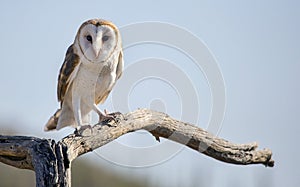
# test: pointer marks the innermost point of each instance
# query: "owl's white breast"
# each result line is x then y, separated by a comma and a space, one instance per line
85, 81
92, 81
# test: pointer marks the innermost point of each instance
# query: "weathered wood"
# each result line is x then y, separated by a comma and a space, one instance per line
52, 161
47, 158
161, 125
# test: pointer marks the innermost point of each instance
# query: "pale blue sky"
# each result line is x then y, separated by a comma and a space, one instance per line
256, 45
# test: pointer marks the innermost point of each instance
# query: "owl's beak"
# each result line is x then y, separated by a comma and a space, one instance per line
97, 45
96, 49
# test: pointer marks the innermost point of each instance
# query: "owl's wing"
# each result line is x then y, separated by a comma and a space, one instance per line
120, 65
67, 73
119, 71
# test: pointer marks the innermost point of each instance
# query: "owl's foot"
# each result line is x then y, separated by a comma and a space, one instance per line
80, 129
106, 117
113, 114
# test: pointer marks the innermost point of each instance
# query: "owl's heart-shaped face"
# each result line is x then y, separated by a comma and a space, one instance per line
97, 42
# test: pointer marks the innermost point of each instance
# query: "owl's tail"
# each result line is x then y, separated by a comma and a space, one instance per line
52, 122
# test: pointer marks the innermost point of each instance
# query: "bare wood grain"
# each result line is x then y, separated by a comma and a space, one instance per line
161, 125
51, 161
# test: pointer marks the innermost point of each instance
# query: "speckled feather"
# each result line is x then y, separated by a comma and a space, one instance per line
71, 61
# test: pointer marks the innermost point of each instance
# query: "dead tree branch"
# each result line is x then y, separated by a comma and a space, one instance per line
52, 161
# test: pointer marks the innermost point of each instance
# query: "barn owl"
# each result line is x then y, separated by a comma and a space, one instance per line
92, 65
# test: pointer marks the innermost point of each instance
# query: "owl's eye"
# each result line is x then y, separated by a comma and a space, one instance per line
89, 38
105, 38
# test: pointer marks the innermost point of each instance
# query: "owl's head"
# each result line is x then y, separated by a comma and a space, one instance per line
97, 40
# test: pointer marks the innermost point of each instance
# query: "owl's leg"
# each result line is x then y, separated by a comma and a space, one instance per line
102, 116
77, 111
78, 118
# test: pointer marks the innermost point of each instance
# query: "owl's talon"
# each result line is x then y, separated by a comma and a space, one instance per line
118, 116
80, 129
106, 118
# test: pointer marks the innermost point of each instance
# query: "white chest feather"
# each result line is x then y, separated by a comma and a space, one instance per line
91, 82
86, 79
